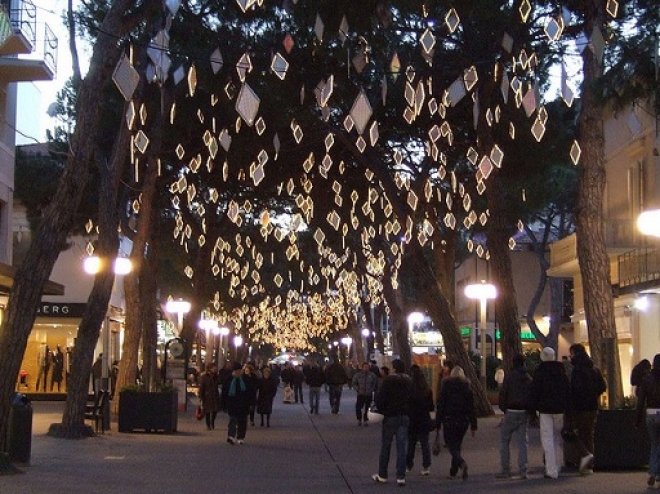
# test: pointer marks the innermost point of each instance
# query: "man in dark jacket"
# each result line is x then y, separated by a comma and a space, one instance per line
551, 398
393, 401
315, 379
364, 382
336, 377
587, 384
515, 402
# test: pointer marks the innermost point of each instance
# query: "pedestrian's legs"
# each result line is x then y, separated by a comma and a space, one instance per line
506, 429
232, 426
550, 425
242, 426
454, 431
209, 423
426, 450
366, 405
359, 404
653, 426
338, 390
401, 445
410, 455
520, 434
213, 417
390, 426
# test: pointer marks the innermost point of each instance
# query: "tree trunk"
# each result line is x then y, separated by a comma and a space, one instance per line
506, 308
134, 304
591, 246
399, 328
149, 291
73, 418
59, 217
442, 313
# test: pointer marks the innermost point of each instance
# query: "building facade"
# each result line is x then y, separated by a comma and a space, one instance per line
632, 164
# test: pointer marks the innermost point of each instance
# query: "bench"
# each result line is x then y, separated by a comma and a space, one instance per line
95, 412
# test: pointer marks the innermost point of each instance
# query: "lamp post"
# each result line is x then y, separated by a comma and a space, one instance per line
178, 307
365, 343
482, 292
238, 341
210, 326
224, 331
347, 340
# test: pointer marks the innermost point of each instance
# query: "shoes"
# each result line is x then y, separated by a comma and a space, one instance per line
408, 469
366, 423
586, 463
378, 479
519, 476
425, 472
359, 423
231, 440
451, 477
503, 476
240, 441
252, 424
464, 470
546, 476
400, 482
651, 482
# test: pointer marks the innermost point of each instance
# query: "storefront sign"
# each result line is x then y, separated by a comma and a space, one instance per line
53, 309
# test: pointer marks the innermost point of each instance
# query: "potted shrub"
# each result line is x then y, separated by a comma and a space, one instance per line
148, 411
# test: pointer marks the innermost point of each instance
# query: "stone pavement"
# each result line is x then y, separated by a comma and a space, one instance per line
323, 453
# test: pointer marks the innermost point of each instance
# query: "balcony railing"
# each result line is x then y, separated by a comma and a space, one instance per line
639, 266
23, 16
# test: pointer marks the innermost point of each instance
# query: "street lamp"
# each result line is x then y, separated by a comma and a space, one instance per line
482, 292
238, 341
178, 307
649, 222
413, 318
210, 326
365, 334
347, 340
224, 331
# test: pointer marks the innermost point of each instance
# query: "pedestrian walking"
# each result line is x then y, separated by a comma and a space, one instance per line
421, 424
209, 395
315, 380
252, 382
336, 377
587, 385
298, 378
454, 415
648, 411
267, 389
393, 401
364, 383
236, 401
550, 398
515, 401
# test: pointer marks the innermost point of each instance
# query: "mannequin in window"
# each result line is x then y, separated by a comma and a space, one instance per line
58, 369
44, 360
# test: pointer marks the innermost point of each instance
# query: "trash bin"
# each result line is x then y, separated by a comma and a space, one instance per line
20, 429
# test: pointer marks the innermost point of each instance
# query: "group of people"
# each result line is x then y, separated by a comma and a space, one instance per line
406, 402
566, 408
241, 391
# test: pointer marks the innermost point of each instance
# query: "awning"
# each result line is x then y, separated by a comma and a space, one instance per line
7, 274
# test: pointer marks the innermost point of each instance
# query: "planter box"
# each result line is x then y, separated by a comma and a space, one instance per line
618, 444
149, 412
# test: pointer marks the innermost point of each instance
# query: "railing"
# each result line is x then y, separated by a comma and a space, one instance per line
50, 49
23, 16
639, 266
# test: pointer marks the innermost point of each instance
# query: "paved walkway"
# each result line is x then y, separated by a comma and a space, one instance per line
323, 453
